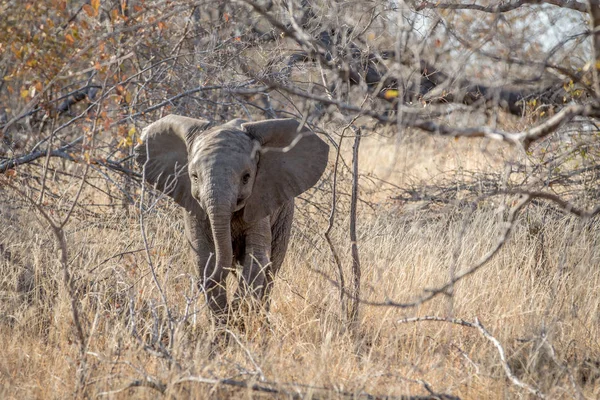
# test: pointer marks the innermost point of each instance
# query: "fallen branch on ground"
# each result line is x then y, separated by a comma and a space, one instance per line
296, 391
485, 333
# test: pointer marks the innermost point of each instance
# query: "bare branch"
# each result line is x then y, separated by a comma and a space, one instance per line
563, 204
432, 293
504, 7
524, 138
240, 89
148, 382
477, 324
150, 262
301, 391
509, 374
68, 281
331, 221
356, 272
34, 155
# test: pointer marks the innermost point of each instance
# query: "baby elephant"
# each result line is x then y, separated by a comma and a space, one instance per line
236, 183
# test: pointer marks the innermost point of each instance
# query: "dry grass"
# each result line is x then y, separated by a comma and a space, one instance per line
538, 296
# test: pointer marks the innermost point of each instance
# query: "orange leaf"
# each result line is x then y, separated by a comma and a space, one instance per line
18, 52
69, 38
88, 10
95, 5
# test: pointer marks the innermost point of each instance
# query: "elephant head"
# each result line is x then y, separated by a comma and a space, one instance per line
214, 171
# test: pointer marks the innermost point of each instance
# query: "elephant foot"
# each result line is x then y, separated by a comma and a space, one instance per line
238, 312
219, 343
248, 315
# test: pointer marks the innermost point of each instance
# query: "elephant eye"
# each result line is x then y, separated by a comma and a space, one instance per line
246, 178
195, 176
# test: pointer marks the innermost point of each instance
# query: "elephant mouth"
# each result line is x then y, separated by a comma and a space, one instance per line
239, 205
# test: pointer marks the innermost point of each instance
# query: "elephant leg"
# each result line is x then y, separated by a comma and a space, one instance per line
280, 231
202, 250
268, 288
256, 260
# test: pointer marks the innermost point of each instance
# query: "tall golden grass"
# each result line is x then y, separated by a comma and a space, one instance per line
538, 296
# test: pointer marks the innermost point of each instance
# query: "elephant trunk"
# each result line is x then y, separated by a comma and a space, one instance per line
220, 221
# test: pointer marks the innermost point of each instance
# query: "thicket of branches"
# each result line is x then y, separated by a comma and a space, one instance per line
77, 72
80, 79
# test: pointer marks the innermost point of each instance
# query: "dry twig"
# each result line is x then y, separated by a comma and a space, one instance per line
485, 333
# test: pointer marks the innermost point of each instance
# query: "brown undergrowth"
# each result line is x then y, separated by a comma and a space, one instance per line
538, 295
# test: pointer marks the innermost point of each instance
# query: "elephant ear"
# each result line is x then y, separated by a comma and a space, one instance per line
163, 154
291, 161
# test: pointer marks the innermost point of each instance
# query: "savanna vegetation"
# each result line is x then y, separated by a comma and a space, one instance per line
451, 249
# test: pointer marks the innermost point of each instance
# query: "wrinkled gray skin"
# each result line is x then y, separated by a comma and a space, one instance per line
236, 183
